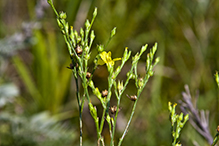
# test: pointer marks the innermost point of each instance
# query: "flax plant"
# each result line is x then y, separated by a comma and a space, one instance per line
177, 123
79, 46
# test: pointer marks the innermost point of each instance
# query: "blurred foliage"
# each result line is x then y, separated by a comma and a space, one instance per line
40, 129
187, 36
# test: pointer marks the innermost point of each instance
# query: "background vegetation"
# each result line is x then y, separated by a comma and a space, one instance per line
37, 91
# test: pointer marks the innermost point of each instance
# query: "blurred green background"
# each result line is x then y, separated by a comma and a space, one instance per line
37, 92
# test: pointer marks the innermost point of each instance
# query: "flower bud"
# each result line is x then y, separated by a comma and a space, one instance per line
100, 48
62, 15
120, 86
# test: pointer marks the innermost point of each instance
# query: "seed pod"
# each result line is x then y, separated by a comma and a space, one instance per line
104, 93
218, 128
71, 66
132, 97
113, 109
88, 75
78, 50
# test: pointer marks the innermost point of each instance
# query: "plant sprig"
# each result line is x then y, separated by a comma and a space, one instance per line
79, 46
177, 123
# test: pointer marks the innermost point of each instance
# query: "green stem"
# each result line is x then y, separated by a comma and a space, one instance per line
133, 110
51, 4
118, 104
80, 109
128, 124
107, 102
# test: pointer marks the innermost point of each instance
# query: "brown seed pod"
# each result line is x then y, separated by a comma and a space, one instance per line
104, 93
132, 97
88, 75
218, 128
78, 50
71, 66
113, 109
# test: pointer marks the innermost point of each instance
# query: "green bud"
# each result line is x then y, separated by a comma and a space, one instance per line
126, 54
181, 125
108, 118
93, 110
92, 36
87, 56
91, 84
151, 73
154, 49
82, 33
120, 86
86, 49
170, 107
100, 48
62, 15
186, 118
76, 34
143, 49
135, 58
177, 135
49, 2
181, 117
59, 24
72, 37
95, 12
113, 32
87, 24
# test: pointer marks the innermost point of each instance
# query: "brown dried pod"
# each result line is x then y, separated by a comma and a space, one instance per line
71, 66
78, 50
113, 109
132, 97
104, 93
218, 128
88, 75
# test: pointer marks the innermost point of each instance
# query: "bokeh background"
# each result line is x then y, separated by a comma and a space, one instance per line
37, 92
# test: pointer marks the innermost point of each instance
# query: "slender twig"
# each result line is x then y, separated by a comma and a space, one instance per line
80, 110
118, 104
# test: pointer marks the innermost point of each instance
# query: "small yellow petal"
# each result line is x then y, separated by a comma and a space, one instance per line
103, 56
100, 62
109, 54
117, 59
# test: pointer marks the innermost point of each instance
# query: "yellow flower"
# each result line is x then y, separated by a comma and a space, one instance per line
106, 58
